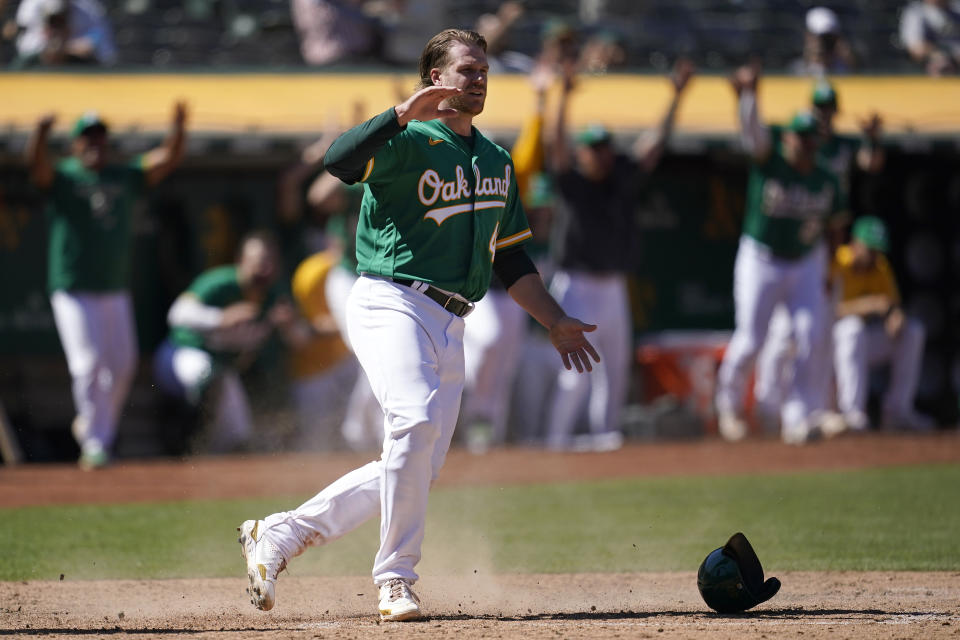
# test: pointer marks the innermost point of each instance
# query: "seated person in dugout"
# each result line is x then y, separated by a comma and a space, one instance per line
871, 329
218, 327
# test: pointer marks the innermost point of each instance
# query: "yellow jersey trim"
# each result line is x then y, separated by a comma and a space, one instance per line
514, 239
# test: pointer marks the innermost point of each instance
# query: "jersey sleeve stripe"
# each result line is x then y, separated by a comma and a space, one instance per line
368, 170
514, 239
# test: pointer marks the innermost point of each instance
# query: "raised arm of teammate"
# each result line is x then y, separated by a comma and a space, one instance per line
871, 156
38, 154
755, 135
561, 154
648, 150
160, 162
348, 155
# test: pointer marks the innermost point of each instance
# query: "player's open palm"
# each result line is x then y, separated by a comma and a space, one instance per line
425, 105
575, 350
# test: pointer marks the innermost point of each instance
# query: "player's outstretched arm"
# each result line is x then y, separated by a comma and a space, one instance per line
755, 135
160, 162
566, 333
38, 154
649, 149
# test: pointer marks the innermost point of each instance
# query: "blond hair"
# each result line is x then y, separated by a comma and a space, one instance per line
436, 52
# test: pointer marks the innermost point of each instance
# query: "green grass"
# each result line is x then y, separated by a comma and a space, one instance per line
887, 519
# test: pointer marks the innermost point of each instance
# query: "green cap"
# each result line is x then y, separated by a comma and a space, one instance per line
88, 120
824, 95
872, 232
539, 191
594, 134
803, 123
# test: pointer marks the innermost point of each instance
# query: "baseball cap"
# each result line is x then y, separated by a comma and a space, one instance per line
539, 191
824, 95
872, 232
594, 134
821, 21
89, 120
803, 123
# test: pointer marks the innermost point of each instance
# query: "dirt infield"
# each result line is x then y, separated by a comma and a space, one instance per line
821, 605
642, 605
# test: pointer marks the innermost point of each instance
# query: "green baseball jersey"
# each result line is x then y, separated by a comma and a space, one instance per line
217, 287
837, 153
786, 209
437, 207
90, 215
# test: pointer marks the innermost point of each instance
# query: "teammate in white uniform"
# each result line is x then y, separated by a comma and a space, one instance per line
839, 154
781, 259
598, 190
90, 209
440, 212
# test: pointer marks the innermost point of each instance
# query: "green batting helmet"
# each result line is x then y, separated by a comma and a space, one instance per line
730, 578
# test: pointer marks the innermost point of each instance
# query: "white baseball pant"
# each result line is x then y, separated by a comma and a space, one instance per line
412, 351
858, 345
760, 282
773, 374
492, 346
99, 340
192, 370
362, 427
598, 299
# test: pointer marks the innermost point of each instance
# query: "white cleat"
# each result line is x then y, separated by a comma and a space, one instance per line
264, 563
732, 427
398, 601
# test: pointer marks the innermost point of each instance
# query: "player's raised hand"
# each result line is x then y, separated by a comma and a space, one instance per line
425, 105
745, 78
180, 113
683, 70
46, 122
575, 350
872, 126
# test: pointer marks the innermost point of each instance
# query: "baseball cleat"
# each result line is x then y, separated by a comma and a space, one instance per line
398, 601
264, 563
732, 427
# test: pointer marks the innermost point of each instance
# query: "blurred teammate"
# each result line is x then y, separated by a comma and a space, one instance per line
871, 329
90, 203
841, 155
781, 259
598, 190
217, 328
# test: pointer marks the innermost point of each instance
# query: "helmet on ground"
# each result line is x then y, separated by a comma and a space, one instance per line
730, 578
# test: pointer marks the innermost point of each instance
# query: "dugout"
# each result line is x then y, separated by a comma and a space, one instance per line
245, 129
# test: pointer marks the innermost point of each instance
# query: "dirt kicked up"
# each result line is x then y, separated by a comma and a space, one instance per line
637, 605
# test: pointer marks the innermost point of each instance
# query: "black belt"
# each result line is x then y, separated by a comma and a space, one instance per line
450, 303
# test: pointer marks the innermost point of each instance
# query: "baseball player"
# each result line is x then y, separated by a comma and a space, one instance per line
781, 260
217, 327
839, 154
872, 328
440, 211
90, 203
598, 191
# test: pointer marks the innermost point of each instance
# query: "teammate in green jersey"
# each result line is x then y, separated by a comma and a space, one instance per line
440, 213
90, 203
781, 259
217, 328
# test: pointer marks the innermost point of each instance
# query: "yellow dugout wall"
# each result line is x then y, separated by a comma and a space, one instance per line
299, 102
